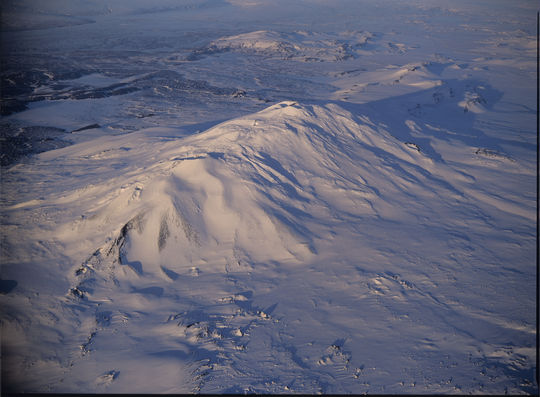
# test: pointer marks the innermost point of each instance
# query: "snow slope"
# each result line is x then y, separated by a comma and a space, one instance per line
277, 252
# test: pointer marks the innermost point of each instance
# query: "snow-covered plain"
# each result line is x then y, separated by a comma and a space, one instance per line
268, 196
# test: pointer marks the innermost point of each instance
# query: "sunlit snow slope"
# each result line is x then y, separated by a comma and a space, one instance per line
303, 248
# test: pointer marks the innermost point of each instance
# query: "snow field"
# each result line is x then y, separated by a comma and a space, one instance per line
258, 256
303, 197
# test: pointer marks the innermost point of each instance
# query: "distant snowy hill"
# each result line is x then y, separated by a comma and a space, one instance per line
301, 45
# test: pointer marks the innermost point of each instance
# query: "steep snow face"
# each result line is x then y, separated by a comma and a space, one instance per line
302, 248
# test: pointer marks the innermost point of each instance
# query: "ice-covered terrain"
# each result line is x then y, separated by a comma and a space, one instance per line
268, 197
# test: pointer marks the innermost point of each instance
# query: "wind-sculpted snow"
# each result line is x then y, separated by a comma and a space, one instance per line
277, 252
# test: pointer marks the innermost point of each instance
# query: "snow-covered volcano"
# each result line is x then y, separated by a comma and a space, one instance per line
268, 196
301, 248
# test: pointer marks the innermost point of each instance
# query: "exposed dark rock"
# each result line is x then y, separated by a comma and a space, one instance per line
88, 127
18, 142
6, 286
